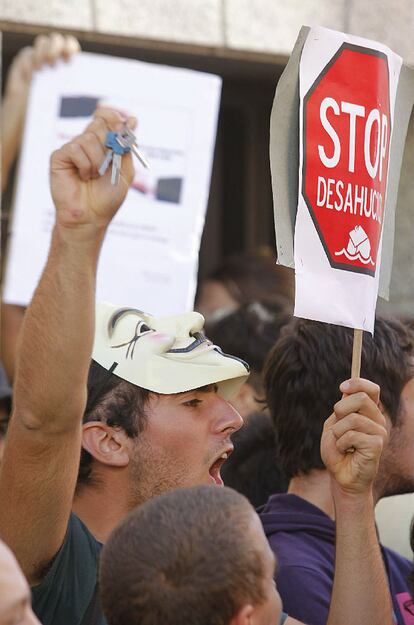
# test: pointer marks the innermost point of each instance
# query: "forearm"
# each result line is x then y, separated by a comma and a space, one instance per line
12, 122
360, 593
46, 50
57, 333
10, 323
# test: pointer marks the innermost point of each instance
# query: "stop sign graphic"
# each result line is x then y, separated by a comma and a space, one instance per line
346, 140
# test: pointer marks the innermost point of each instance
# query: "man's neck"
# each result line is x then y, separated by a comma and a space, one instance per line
100, 507
316, 489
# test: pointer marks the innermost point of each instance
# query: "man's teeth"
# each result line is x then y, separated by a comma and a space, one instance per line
224, 456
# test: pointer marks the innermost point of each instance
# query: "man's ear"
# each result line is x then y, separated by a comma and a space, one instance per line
105, 443
244, 616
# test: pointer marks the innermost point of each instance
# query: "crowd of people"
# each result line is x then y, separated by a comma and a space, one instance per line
119, 429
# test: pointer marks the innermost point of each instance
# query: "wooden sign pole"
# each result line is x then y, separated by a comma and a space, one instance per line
356, 363
356, 354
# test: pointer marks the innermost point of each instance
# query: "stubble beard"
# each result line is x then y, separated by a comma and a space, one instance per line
394, 484
152, 474
392, 479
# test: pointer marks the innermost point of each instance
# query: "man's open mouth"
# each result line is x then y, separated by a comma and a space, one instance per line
216, 467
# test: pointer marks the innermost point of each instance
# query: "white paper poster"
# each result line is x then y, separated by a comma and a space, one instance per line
150, 256
347, 91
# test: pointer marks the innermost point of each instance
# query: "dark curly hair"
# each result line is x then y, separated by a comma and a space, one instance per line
252, 468
303, 374
254, 276
116, 402
249, 333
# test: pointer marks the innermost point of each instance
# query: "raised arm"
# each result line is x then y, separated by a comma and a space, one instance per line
46, 49
11, 319
360, 592
40, 465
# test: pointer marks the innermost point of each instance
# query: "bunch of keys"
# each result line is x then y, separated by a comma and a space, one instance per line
118, 144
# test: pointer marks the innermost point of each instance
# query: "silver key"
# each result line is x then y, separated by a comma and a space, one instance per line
106, 162
127, 139
140, 157
116, 168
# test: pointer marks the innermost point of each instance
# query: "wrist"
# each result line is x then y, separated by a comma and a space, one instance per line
80, 237
17, 85
355, 516
352, 500
17, 100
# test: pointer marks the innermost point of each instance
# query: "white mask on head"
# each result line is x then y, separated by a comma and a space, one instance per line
163, 354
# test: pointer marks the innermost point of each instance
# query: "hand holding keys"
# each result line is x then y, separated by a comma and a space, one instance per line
118, 144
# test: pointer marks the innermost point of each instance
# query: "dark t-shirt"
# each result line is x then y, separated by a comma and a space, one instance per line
68, 592
68, 589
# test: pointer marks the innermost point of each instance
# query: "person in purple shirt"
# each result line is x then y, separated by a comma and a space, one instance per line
302, 380
219, 567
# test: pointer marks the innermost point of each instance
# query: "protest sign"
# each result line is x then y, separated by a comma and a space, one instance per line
344, 172
150, 255
340, 118
347, 93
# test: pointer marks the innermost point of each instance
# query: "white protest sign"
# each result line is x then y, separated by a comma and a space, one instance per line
284, 160
347, 88
150, 255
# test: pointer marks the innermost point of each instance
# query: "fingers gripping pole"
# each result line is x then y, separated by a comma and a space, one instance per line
356, 354
356, 363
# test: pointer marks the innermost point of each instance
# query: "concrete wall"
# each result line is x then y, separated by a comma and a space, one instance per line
394, 516
246, 28
402, 280
268, 26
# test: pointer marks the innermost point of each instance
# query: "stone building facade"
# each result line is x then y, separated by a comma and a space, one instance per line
243, 39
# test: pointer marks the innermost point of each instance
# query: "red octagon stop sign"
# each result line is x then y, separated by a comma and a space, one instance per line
346, 139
